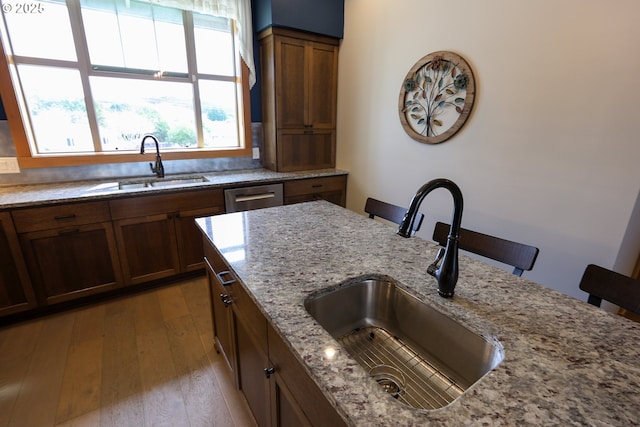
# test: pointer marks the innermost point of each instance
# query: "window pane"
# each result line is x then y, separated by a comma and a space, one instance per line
219, 114
214, 45
103, 35
134, 35
58, 114
129, 108
40, 29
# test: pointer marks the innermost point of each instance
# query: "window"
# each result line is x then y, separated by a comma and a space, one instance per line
103, 73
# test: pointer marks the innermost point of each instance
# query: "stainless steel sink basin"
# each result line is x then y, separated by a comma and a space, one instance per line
133, 185
178, 181
429, 359
160, 182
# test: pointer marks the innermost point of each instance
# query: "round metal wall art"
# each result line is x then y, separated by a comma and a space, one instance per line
436, 97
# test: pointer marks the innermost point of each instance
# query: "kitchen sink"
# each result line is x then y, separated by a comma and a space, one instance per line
160, 182
133, 185
174, 182
422, 357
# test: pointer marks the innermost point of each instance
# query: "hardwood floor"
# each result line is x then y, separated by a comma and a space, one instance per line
144, 360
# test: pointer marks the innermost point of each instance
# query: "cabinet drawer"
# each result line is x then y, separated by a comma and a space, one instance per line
51, 217
314, 185
165, 203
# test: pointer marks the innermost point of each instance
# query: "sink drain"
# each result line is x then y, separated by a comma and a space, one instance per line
390, 378
419, 384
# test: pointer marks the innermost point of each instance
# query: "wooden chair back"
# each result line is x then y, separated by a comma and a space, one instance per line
393, 213
604, 284
522, 257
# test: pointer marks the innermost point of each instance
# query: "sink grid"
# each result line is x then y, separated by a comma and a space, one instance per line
426, 387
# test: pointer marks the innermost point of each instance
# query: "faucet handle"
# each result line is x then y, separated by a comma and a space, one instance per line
435, 264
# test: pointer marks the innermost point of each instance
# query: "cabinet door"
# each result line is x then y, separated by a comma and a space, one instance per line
306, 149
221, 310
290, 83
306, 85
67, 263
285, 411
189, 237
322, 85
252, 354
147, 248
309, 402
16, 293
252, 362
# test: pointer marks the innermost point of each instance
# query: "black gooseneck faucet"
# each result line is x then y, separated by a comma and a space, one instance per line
445, 272
158, 169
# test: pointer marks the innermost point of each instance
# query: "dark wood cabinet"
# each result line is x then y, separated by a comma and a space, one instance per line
157, 236
253, 360
70, 250
16, 293
59, 252
299, 99
332, 189
307, 149
298, 399
277, 388
222, 314
147, 247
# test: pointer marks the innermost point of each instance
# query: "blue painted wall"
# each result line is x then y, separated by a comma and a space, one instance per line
324, 17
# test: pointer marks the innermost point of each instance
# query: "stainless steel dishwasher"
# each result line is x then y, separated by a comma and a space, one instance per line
256, 197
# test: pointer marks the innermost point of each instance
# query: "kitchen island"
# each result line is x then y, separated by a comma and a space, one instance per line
565, 361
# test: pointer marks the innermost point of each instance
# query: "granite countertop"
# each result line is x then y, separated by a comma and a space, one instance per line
39, 194
565, 362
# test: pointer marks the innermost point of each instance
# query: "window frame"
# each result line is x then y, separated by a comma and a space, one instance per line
27, 159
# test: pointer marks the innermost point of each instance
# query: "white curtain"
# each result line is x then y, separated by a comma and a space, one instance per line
238, 10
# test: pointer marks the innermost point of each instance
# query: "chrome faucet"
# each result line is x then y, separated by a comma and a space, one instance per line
445, 267
158, 169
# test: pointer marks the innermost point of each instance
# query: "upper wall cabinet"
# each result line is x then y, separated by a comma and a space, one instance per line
299, 97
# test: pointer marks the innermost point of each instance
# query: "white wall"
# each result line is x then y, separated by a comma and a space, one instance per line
550, 153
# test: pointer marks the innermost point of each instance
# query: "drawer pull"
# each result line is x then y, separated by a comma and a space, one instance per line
268, 372
316, 186
223, 282
64, 217
66, 232
225, 300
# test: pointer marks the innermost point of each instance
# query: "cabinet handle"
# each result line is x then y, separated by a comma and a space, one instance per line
225, 300
64, 217
226, 282
269, 371
73, 231
316, 186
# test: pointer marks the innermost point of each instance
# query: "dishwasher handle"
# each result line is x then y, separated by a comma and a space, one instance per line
249, 197
255, 197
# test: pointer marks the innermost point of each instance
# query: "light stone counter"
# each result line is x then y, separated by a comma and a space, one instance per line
81, 191
566, 362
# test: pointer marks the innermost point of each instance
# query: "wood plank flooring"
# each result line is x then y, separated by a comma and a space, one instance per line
143, 360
